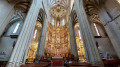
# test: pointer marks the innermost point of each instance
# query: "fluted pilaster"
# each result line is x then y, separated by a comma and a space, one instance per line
25, 36
73, 44
92, 53
42, 40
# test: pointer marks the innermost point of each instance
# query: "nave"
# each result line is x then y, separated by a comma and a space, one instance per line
60, 33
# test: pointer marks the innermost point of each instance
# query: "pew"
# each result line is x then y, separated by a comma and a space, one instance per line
111, 63
3, 63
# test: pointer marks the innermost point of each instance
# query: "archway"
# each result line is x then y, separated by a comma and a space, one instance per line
34, 43
79, 43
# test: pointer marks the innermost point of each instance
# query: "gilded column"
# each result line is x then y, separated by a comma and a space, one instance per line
42, 40
73, 44
25, 36
92, 53
6, 13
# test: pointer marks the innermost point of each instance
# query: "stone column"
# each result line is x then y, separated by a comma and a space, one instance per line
73, 45
25, 36
107, 23
6, 13
92, 53
42, 40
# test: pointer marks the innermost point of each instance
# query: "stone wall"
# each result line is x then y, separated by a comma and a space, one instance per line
105, 47
6, 47
113, 10
6, 41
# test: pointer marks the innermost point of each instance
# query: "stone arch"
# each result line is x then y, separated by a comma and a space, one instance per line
18, 16
96, 8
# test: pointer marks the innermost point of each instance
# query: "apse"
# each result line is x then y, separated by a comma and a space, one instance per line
57, 40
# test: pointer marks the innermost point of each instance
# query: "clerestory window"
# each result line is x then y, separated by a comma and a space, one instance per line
16, 28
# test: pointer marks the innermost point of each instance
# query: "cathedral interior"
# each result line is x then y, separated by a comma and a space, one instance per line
59, 33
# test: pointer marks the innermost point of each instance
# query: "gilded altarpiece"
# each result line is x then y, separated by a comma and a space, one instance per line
57, 42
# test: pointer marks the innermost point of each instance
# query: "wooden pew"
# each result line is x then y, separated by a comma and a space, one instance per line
111, 63
3, 63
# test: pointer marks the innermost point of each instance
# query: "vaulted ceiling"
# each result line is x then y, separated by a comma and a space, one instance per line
92, 6
58, 11
64, 3
24, 5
